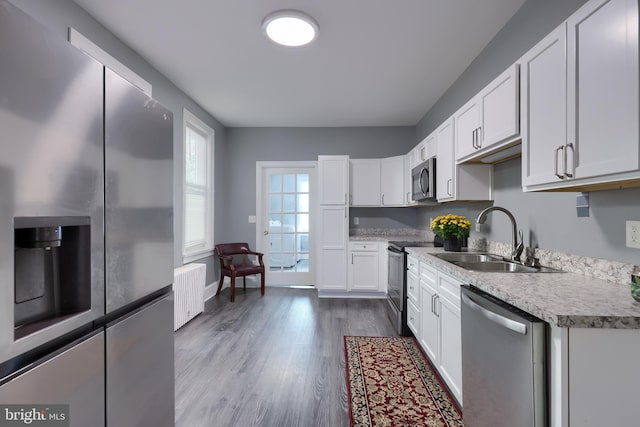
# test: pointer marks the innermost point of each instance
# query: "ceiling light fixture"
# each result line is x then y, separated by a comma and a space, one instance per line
290, 28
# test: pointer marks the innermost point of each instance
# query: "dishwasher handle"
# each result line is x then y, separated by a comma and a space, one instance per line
510, 324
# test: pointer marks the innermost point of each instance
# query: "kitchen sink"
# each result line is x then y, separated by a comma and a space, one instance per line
468, 257
498, 267
490, 263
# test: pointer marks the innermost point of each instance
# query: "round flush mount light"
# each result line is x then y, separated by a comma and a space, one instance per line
290, 28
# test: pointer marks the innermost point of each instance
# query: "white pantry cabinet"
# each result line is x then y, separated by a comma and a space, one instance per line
333, 175
458, 182
491, 119
364, 182
333, 223
332, 254
596, 146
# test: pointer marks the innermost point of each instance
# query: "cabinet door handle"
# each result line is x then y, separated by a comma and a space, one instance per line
351, 259
382, 199
432, 303
449, 181
479, 137
566, 168
473, 139
435, 305
558, 174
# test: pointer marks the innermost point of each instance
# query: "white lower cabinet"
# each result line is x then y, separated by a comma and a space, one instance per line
593, 377
439, 333
364, 266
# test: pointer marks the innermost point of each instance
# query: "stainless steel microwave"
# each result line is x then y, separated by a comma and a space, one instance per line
423, 181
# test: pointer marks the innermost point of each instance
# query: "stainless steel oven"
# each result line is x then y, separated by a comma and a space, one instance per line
397, 284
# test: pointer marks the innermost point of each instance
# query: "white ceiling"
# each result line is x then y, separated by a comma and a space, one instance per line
375, 62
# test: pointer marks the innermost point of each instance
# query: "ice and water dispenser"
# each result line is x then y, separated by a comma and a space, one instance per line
52, 258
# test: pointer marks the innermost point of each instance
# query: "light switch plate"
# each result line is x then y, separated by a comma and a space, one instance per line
633, 234
252, 219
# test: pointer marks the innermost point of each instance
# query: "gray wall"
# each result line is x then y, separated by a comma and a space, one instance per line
248, 145
59, 15
549, 220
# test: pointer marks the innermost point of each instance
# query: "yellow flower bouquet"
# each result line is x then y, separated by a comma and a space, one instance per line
451, 226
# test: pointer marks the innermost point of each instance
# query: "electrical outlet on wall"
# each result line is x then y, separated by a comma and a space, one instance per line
356, 220
633, 234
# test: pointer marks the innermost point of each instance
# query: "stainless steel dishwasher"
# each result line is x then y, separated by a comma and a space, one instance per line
504, 367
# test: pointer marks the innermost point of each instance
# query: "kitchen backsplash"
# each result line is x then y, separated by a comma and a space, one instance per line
413, 232
611, 271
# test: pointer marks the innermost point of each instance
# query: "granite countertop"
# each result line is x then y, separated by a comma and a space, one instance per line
567, 300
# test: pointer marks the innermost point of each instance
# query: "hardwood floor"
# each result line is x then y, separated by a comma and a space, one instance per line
271, 361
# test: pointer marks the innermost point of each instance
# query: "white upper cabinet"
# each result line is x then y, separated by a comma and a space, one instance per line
580, 132
491, 120
543, 107
392, 181
408, 200
425, 149
603, 88
458, 182
333, 173
364, 182
445, 186
467, 121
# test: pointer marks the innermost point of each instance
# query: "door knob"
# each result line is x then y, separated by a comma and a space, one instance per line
265, 232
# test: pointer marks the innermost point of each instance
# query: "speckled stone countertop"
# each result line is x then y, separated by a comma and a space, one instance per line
563, 299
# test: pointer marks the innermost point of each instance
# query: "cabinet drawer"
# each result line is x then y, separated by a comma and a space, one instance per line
364, 246
413, 318
413, 265
428, 274
449, 288
413, 288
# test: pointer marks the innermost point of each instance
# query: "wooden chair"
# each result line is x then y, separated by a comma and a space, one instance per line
235, 262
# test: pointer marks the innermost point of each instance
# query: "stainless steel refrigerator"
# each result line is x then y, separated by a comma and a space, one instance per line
86, 235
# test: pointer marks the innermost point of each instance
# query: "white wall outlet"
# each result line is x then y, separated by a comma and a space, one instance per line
252, 219
633, 234
356, 220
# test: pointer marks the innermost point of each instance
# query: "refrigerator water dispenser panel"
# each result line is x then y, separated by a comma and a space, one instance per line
52, 265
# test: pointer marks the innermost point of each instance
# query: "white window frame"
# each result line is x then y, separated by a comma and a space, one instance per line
205, 247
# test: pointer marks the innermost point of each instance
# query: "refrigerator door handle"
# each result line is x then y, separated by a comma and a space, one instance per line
517, 327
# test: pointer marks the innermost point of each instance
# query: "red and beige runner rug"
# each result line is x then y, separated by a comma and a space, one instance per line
390, 383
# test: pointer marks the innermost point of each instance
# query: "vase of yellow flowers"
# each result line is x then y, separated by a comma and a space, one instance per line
453, 229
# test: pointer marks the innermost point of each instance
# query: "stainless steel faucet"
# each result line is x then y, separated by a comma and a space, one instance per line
517, 247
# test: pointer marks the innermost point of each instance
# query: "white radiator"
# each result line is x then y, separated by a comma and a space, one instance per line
188, 287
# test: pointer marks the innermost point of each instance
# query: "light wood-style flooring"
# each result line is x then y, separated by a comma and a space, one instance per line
271, 361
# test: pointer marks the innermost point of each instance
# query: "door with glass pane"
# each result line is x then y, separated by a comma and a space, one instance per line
286, 221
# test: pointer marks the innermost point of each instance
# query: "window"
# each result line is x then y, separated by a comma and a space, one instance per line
198, 188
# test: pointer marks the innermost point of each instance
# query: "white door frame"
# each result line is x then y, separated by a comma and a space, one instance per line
262, 220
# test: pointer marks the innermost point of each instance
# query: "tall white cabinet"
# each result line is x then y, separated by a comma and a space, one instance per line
579, 104
333, 223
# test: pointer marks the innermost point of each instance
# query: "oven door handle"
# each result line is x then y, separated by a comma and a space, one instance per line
394, 250
517, 327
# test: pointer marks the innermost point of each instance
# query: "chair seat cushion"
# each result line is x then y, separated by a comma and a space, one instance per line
244, 269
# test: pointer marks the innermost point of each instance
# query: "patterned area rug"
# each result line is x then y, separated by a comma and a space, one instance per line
391, 384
